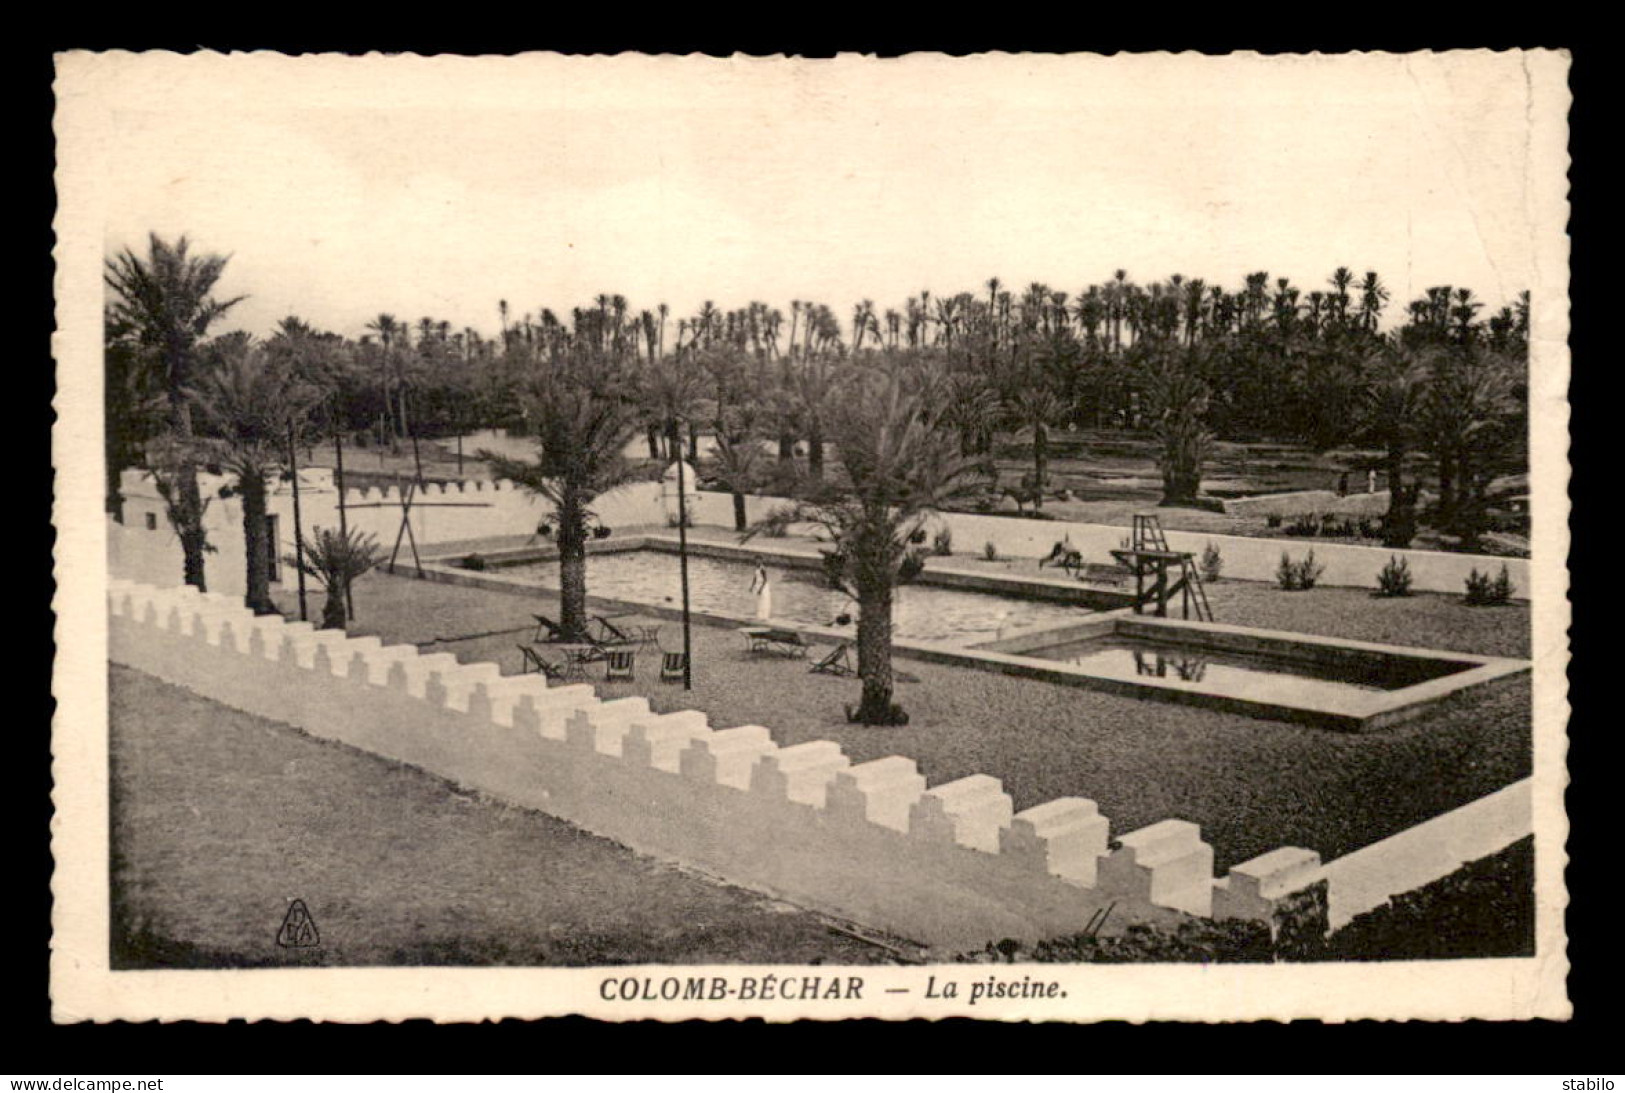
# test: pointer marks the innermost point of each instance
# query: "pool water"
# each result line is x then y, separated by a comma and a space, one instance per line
722, 587
1131, 658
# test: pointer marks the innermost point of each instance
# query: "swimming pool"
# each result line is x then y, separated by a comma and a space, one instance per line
721, 586
1280, 677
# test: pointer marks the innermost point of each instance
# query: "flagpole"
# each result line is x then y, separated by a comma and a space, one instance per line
682, 563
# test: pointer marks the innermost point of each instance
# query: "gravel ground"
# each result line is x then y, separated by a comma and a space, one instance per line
1253, 785
220, 818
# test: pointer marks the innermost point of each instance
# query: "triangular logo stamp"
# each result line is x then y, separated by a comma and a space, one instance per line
298, 928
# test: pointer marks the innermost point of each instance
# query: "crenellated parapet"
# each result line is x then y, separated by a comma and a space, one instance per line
951, 865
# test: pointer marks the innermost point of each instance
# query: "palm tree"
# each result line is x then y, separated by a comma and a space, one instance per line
1032, 403
166, 299
1178, 399
387, 329
1391, 407
335, 560
249, 404
898, 470
581, 414
1468, 407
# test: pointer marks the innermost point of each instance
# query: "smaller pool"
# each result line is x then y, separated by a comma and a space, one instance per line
1346, 685
1118, 656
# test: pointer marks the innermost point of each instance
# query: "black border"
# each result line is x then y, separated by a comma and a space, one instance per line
953, 1045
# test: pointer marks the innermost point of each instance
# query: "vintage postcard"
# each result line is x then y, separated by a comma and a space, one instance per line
1021, 537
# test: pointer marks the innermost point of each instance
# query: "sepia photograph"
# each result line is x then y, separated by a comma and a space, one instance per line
1018, 537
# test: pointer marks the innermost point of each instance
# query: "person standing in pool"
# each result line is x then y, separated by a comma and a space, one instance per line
764, 593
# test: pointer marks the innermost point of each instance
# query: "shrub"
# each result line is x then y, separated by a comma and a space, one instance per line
544, 529
989, 551
1305, 525
1502, 589
1486, 591
1394, 578
942, 544
1212, 563
1299, 576
912, 565
1272, 520
600, 532
475, 562
776, 524
917, 536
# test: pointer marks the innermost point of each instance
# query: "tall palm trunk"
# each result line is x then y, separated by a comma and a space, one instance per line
875, 652
572, 564
1040, 463
258, 596
654, 443
740, 523
787, 447
405, 425
815, 452
187, 506
1399, 525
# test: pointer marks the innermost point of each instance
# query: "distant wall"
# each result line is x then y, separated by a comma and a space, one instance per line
1248, 559
475, 510
951, 865
439, 514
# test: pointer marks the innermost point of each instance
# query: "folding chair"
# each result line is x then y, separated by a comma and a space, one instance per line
837, 663
672, 666
609, 633
534, 662
649, 637
618, 665
547, 630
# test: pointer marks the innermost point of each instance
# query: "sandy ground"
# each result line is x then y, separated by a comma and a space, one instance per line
220, 818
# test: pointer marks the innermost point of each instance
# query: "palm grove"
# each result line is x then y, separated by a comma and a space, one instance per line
912, 403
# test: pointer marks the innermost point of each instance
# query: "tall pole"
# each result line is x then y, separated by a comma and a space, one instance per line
682, 563
298, 528
344, 527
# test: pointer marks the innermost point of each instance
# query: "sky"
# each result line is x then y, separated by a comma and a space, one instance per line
346, 187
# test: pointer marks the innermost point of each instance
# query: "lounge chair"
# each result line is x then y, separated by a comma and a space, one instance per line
535, 662
837, 663
547, 630
619, 665
649, 637
610, 634
672, 667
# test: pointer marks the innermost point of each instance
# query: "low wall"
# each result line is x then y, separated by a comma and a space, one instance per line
477, 510
439, 514
1244, 558
951, 866
1308, 502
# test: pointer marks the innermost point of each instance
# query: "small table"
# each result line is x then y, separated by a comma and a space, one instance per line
576, 659
766, 639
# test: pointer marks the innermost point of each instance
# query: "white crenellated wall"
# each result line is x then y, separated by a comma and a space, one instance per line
951, 866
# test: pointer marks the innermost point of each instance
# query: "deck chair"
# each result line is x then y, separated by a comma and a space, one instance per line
672, 666
547, 630
610, 634
837, 663
618, 665
534, 662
